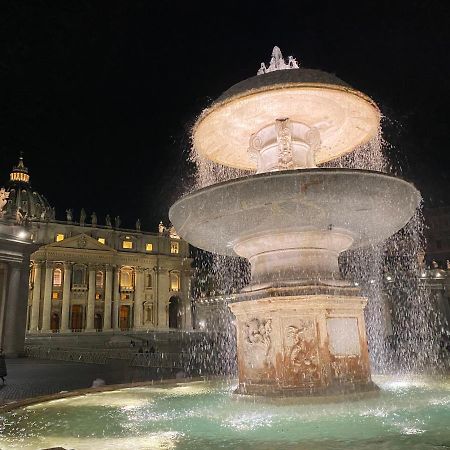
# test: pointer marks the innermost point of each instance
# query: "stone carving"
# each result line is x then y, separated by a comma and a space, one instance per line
301, 352
94, 219
161, 228
69, 215
277, 62
172, 232
82, 216
21, 216
258, 331
138, 225
284, 137
82, 242
117, 221
4, 195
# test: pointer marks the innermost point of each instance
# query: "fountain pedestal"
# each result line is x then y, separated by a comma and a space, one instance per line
305, 340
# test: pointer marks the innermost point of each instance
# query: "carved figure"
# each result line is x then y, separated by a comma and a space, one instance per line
94, 219
69, 215
108, 221
259, 331
262, 69
138, 225
161, 228
117, 221
300, 357
82, 216
52, 213
292, 62
21, 217
173, 233
3, 199
277, 62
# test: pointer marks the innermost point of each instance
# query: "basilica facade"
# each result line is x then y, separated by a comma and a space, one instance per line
90, 278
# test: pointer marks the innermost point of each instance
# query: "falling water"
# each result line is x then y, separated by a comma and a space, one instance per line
403, 325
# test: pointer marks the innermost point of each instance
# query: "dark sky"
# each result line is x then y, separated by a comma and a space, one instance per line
100, 95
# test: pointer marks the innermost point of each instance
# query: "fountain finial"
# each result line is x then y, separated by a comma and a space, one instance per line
277, 62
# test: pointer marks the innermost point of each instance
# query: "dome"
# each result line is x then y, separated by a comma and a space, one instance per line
19, 201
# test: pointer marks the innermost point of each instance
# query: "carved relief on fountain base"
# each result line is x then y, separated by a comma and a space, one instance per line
304, 345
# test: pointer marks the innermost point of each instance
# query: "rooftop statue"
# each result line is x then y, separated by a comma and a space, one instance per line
108, 221
82, 216
94, 219
69, 215
4, 195
138, 225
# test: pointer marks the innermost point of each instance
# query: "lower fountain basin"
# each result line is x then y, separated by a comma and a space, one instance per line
408, 413
363, 207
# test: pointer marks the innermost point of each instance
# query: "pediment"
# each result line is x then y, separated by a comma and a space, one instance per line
80, 241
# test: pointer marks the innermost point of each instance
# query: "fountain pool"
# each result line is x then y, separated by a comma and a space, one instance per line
409, 412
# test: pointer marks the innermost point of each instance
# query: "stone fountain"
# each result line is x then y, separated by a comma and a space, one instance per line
300, 325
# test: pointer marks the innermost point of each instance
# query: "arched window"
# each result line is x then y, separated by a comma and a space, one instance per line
126, 277
78, 275
148, 280
57, 277
99, 279
174, 281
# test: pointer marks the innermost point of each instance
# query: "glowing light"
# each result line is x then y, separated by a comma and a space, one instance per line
22, 234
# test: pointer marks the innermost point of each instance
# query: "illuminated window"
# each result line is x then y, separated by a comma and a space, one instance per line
57, 277
59, 237
98, 296
174, 247
99, 279
127, 244
55, 295
102, 240
125, 296
174, 281
149, 247
126, 277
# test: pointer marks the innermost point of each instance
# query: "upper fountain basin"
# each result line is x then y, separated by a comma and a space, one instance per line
368, 206
343, 117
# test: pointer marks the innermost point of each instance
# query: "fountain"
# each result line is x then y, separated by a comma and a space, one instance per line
300, 325
301, 339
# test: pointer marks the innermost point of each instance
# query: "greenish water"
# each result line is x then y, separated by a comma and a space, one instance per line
410, 413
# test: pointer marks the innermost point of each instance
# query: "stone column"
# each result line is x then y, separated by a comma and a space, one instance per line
108, 299
12, 300
91, 300
66, 297
116, 305
163, 297
186, 289
47, 307
138, 297
35, 305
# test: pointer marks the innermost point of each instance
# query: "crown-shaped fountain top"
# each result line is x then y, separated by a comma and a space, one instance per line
277, 62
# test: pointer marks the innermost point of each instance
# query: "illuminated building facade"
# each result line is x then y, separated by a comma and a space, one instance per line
92, 278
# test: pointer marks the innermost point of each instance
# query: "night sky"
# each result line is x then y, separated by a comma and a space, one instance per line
101, 95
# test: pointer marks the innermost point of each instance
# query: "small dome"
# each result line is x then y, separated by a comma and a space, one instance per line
21, 201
